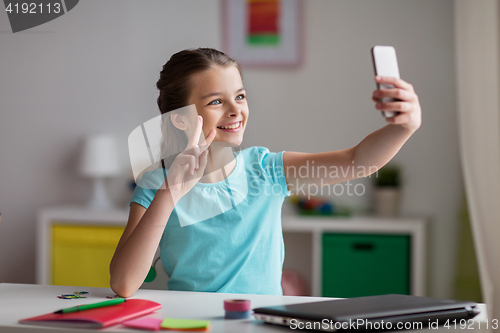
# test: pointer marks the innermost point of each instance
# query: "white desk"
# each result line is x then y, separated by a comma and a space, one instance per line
18, 301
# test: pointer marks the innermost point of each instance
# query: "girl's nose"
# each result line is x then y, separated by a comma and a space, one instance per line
234, 109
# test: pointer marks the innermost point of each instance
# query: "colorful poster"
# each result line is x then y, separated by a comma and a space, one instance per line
263, 22
264, 33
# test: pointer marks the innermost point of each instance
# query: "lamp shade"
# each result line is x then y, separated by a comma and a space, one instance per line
100, 156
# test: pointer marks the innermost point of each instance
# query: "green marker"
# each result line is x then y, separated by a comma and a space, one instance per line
92, 306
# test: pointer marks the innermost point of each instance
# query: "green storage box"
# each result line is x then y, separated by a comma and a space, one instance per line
365, 265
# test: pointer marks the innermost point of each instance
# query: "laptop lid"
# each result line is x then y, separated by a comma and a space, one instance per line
365, 311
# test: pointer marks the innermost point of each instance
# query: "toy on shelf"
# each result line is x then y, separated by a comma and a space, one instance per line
318, 206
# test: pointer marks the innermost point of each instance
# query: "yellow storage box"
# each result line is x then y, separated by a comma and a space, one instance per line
81, 254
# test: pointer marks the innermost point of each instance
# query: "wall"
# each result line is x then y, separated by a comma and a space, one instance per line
94, 69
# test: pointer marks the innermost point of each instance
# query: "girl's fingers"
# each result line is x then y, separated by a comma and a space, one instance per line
195, 138
402, 99
186, 163
203, 160
393, 106
401, 94
192, 147
208, 140
398, 83
192, 165
196, 154
210, 137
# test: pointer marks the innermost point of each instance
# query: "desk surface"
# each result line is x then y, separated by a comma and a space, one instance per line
18, 301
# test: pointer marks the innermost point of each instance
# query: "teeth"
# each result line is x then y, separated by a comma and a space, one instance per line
230, 126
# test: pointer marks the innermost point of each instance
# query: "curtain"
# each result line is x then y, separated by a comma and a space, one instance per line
477, 42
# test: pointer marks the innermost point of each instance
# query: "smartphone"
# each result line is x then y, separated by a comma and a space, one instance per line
385, 63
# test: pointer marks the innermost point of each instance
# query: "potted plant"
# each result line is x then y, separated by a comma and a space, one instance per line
387, 191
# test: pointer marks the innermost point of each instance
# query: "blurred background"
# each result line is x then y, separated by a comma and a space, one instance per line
94, 70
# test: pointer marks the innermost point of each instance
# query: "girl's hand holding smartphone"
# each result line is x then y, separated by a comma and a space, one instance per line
407, 104
395, 97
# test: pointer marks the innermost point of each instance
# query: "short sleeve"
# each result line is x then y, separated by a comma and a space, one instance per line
147, 186
272, 163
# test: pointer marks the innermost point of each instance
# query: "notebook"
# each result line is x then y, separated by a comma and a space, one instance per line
371, 313
96, 318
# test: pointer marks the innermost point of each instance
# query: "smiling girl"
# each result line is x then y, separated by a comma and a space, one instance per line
216, 216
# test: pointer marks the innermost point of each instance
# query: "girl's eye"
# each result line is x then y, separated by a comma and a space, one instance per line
240, 97
215, 102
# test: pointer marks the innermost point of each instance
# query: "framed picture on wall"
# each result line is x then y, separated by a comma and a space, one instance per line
263, 33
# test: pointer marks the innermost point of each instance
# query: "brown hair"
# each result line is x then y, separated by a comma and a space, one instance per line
175, 88
174, 82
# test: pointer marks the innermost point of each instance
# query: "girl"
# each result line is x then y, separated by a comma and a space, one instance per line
216, 215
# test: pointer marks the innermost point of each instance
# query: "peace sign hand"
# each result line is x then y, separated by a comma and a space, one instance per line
188, 167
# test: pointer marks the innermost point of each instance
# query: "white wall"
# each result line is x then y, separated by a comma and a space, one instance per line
95, 68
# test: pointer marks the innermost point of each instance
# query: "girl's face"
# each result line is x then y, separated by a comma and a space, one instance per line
220, 99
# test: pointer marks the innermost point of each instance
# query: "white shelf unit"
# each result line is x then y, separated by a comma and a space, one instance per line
316, 226
308, 254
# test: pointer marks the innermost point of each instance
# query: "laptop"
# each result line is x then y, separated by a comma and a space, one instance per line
371, 313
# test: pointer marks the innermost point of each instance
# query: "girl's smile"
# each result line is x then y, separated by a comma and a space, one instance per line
233, 127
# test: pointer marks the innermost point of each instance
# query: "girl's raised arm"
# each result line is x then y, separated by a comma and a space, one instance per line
137, 246
371, 153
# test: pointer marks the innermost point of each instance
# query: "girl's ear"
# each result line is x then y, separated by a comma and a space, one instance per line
178, 121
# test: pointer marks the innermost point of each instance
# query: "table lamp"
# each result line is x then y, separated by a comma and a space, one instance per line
99, 160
